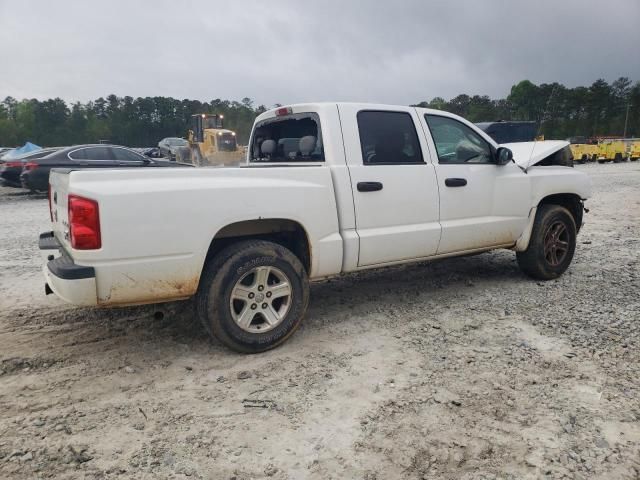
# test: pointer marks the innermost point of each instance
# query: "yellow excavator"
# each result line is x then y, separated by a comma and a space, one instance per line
212, 144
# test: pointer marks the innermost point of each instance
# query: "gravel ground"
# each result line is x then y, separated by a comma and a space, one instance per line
459, 369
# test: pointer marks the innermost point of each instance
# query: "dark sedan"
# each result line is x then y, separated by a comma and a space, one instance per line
35, 174
11, 169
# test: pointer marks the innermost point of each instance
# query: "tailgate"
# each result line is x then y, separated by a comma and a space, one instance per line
58, 191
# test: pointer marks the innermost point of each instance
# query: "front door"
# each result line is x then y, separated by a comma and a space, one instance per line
482, 204
393, 183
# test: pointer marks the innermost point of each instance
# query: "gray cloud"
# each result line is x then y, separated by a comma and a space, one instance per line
291, 51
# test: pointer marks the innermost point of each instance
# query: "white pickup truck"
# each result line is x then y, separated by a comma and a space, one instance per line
327, 188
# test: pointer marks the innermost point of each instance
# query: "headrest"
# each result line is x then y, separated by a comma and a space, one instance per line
465, 150
268, 147
307, 144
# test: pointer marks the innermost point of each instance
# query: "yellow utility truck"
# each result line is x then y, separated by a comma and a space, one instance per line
634, 149
584, 152
212, 144
612, 150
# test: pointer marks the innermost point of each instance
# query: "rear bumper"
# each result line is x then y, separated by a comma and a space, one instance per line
34, 182
11, 179
71, 282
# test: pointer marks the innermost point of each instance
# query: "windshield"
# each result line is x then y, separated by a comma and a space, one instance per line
177, 142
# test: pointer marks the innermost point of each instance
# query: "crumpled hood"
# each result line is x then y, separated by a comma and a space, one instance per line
527, 154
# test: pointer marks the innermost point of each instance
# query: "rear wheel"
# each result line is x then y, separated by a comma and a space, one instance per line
253, 296
552, 244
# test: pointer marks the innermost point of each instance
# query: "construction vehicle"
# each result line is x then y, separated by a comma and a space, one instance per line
610, 150
210, 143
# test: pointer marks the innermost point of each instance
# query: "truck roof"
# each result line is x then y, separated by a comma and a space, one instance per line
312, 106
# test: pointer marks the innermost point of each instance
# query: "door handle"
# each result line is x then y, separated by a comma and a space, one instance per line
369, 186
455, 182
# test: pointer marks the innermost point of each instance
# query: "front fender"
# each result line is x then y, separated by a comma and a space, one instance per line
554, 180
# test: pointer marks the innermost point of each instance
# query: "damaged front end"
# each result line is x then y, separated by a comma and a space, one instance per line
562, 157
544, 153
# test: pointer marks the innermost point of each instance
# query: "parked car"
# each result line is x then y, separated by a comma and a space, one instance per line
10, 170
510, 131
327, 189
35, 174
172, 147
4, 150
151, 152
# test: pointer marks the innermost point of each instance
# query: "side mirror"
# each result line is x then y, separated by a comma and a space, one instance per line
504, 156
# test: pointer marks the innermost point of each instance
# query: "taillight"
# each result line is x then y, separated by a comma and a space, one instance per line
84, 223
50, 207
13, 164
30, 166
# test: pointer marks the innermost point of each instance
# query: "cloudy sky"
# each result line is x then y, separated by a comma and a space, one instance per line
290, 51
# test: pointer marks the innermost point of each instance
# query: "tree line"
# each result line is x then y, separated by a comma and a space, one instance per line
598, 110
135, 122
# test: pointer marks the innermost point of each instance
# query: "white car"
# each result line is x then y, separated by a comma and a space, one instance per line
327, 189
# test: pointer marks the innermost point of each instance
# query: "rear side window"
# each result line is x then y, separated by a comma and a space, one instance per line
124, 155
293, 138
388, 138
92, 153
78, 154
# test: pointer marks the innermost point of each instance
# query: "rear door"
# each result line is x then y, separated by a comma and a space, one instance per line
393, 183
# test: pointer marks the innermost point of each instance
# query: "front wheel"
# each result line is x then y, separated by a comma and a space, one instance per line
552, 244
253, 295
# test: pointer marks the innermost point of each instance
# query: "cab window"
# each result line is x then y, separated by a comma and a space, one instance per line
291, 138
457, 143
388, 138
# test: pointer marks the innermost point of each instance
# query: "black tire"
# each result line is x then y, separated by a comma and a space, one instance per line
545, 263
223, 273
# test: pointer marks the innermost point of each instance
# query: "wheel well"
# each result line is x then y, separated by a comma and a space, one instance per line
570, 201
288, 233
